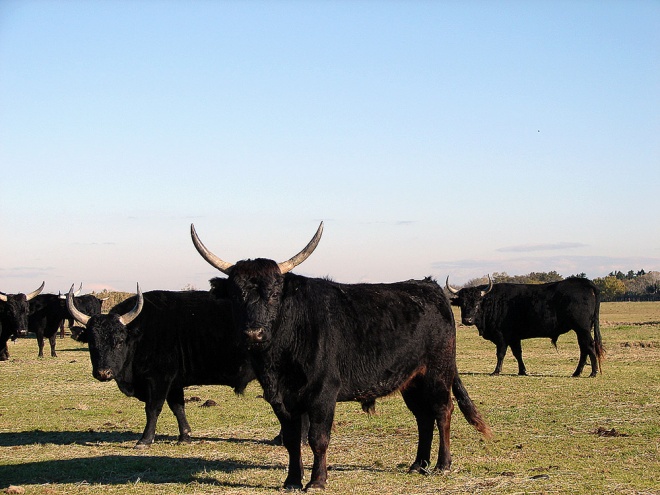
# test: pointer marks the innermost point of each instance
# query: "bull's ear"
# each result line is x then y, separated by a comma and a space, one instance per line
219, 288
454, 301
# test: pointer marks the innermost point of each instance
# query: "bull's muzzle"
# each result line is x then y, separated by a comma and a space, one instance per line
104, 375
255, 335
22, 332
468, 321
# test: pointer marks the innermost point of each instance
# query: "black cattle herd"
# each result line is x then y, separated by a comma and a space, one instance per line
309, 342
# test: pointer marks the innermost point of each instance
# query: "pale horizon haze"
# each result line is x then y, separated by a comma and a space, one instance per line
432, 139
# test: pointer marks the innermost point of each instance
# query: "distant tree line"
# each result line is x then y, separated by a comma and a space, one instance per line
617, 286
631, 286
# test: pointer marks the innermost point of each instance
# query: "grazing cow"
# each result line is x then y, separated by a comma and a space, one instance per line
505, 314
155, 344
314, 342
49, 311
14, 311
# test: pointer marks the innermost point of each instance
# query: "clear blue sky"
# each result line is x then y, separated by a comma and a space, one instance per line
433, 138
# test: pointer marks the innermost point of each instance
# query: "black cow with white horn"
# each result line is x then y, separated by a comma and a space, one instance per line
314, 342
157, 343
48, 312
506, 314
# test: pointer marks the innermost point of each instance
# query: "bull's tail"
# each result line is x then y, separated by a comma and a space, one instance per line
598, 342
468, 408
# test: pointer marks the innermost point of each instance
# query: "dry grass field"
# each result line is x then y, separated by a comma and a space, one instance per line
63, 432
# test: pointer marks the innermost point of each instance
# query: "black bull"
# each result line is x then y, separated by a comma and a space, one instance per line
505, 314
154, 345
49, 311
314, 342
14, 310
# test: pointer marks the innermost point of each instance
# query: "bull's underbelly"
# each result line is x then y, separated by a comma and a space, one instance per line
383, 384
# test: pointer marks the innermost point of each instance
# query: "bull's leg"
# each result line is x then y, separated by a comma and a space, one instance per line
587, 348
581, 362
443, 421
40, 343
418, 405
320, 425
516, 349
152, 408
52, 340
501, 352
176, 402
304, 432
290, 428
4, 352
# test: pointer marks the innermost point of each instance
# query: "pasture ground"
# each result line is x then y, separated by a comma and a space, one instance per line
63, 432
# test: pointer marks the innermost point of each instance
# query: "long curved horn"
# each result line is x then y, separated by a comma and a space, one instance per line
79, 316
450, 288
35, 293
490, 286
132, 314
3, 297
289, 265
213, 260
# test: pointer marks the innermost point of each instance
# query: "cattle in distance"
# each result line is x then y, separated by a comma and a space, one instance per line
508, 313
49, 311
157, 343
314, 342
14, 311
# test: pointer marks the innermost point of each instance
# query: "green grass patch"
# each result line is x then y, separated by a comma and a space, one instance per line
61, 431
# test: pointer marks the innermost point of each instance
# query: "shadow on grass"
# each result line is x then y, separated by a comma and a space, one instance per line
15, 439
136, 467
522, 377
119, 470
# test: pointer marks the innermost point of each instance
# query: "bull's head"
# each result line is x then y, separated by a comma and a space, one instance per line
255, 287
107, 336
469, 300
17, 310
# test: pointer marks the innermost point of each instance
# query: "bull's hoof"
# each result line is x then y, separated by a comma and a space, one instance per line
523, 373
291, 486
593, 374
315, 485
184, 440
495, 373
420, 468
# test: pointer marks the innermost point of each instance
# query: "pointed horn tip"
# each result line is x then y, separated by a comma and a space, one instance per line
287, 266
451, 289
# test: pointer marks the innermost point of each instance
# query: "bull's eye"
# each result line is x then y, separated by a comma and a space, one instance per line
274, 296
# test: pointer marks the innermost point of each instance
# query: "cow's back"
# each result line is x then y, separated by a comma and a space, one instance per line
191, 334
537, 310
